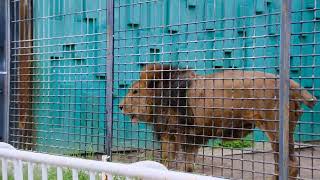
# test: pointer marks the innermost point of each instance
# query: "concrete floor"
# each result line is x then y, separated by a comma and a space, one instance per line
251, 163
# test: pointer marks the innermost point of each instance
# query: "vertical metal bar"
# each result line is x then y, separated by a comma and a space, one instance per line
109, 177
92, 175
4, 164
7, 79
59, 173
44, 172
18, 171
285, 35
109, 92
75, 175
30, 170
3, 68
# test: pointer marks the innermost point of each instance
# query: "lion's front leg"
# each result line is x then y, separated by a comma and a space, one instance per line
169, 148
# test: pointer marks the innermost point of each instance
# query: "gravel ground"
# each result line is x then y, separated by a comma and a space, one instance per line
253, 163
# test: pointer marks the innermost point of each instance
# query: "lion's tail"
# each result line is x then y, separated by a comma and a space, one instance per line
302, 94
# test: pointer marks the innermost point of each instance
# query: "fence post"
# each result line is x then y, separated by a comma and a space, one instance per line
285, 34
6, 90
109, 69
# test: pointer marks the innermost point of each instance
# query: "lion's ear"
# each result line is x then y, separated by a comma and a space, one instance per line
152, 73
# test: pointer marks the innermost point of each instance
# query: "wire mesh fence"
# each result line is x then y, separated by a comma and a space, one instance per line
193, 84
58, 88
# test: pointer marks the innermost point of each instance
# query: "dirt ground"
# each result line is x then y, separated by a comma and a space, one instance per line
252, 163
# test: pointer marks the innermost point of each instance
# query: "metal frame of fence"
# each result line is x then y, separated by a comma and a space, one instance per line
110, 76
284, 111
7, 60
140, 33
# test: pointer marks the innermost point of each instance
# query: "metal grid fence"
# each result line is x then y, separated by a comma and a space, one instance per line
58, 89
207, 81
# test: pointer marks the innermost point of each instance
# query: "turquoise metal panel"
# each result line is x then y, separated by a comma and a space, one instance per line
133, 12
173, 17
218, 17
260, 7
209, 14
273, 18
317, 14
206, 35
192, 3
69, 106
248, 11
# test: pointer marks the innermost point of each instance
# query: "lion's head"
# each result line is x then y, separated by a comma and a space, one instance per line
139, 101
160, 87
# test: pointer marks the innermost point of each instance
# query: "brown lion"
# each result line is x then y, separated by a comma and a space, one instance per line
187, 109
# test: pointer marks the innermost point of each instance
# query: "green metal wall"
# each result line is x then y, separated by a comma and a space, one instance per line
71, 49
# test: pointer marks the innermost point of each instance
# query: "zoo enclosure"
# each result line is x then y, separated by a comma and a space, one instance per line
60, 80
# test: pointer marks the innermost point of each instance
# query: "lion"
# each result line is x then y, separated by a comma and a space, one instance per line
187, 109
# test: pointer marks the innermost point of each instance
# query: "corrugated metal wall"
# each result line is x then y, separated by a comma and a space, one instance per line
70, 48
209, 35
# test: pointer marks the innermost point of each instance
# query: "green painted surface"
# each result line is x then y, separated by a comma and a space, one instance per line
206, 35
